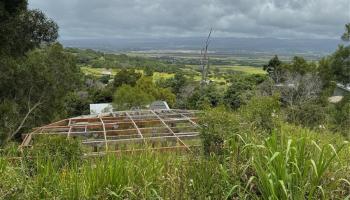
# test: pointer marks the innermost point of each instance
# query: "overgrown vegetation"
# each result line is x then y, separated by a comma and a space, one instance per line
242, 160
264, 136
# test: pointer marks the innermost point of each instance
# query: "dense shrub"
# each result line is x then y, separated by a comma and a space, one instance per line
218, 127
310, 115
201, 98
340, 117
262, 112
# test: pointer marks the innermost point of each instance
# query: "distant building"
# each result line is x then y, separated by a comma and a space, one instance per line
99, 108
159, 105
341, 89
106, 73
339, 92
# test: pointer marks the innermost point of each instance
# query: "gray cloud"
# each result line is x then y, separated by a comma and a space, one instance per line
177, 18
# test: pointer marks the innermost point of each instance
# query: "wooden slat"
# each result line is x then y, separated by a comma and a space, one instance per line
135, 125
160, 149
166, 125
70, 127
104, 133
131, 140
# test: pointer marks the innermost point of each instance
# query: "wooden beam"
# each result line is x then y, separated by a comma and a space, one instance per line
160, 149
28, 139
135, 125
190, 120
70, 127
135, 140
166, 125
104, 133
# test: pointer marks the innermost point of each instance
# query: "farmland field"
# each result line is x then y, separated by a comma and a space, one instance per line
245, 69
98, 72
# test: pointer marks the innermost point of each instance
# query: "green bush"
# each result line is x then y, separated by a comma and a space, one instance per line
310, 115
218, 127
340, 117
262, 112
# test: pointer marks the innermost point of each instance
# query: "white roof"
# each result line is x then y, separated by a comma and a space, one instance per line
159, 105
106, 73
344, 87
99, 108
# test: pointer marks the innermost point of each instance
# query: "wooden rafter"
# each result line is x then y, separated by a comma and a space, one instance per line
166, 125
135, 125
104, 132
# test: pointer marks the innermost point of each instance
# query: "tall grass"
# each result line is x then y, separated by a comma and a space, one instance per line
294, 168
140, 176
291, 163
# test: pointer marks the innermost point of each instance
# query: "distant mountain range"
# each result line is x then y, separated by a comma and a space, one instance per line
222, 45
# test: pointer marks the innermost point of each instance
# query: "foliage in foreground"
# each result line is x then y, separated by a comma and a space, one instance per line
285, 162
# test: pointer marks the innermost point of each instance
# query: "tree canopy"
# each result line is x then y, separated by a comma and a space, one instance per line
22, 29
337, 66
126, 76
142, 94
33, 83
346, 34
32, 89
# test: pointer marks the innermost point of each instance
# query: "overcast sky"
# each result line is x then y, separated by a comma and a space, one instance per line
182, 18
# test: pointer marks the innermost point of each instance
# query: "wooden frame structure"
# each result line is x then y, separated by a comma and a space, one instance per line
126, 131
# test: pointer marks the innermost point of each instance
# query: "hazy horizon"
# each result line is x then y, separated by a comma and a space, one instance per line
218, 44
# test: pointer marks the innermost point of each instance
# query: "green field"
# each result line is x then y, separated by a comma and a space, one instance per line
98, 72
245, 69
196, 76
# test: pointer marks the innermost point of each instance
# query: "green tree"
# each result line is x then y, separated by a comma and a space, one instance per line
300, 66
176, 83
104, 95
148, 71
143, 93
104, 79
127, 97
274, 68
262, 112
219, 128
33, 88
340, 64
202, 98
309, 114
23, 29
346, 34
77, 105
336, 67
240, 90
341, 117
126, 76
233, 96
147, 85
